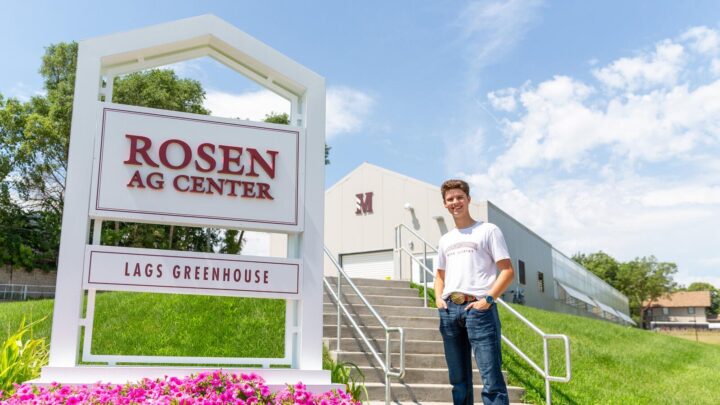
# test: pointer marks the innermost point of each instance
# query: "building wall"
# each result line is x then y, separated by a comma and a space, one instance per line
524, 245
10, 275
349, 233
572, 274
679, 314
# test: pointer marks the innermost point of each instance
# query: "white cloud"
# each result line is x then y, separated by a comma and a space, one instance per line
659, 68
626, 164
715, 67
668, 197
253, 106
503, 100
347, 109
492, 28
703, 40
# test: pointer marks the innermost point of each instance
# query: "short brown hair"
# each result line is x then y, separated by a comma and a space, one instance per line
454, 183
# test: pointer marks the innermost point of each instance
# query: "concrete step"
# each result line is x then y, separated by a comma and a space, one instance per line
398, 292
391, 321
352, 344
412, 360
414, 375
361, 282
375, 300
424, 393
377, 332
384, 310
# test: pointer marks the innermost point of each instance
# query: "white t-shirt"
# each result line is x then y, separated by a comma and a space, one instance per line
468, 257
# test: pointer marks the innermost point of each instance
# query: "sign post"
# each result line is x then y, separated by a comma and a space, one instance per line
154, 166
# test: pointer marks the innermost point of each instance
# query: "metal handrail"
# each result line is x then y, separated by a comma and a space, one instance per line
386, 364
545, 371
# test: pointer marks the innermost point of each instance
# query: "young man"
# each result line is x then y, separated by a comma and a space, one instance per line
466, 287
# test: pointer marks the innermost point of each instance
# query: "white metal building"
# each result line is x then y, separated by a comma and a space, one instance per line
364, 209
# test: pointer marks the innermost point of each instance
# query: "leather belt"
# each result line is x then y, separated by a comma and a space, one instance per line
460, 298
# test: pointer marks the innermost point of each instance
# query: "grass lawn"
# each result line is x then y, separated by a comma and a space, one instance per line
611, 364
171, 325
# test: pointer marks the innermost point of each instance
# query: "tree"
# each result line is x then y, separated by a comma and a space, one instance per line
642, 279
34, 142
600, 263
284, 118
714, 294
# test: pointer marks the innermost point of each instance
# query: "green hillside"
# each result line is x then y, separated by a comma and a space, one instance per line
611, 364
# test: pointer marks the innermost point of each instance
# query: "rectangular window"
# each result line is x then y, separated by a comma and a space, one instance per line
541, 281
666, 311
691, 310
521, 271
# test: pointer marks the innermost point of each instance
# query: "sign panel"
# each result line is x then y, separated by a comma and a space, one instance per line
160, 166
151, 270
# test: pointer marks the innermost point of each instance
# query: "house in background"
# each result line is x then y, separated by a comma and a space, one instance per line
682, 309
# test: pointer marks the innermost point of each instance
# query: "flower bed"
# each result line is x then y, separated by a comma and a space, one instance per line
204, 388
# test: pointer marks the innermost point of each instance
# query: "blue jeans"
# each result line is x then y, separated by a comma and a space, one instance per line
464, 332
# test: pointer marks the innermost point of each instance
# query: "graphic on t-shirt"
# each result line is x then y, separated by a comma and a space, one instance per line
460, 248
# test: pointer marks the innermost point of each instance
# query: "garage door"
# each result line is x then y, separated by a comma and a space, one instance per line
369, 265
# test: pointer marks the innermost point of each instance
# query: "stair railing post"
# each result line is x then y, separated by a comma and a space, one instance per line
548, 396
337, 334
400, 259
387, 367
425, 261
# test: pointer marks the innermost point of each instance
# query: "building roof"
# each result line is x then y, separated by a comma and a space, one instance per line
682, 299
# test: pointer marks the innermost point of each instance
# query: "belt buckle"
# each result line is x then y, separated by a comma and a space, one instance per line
457, 297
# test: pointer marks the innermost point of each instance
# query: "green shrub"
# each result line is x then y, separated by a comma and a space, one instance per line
21, 358
341, 373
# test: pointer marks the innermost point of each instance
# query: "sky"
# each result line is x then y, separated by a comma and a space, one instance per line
595, 123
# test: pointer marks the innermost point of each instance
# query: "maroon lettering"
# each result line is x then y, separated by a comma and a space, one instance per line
155, 180
265, 279
226, 274
233, 183
137, 149
176, 183
137, 271
215, 185
148, 270
248, 189
228, 158
264, 191
176, 271
136, 180
363, 203
127, 272
159, 270
197, 184
255, 157
187, 272
187, 154
208, 158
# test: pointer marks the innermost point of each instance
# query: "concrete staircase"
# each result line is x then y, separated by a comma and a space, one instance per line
426, 378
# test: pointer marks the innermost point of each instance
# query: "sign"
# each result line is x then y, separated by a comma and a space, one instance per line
161, 166
364, 203
129, 269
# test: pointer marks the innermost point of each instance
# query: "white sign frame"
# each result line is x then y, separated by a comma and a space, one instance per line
100, 60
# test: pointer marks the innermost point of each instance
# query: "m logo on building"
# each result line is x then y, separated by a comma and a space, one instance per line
363, 203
